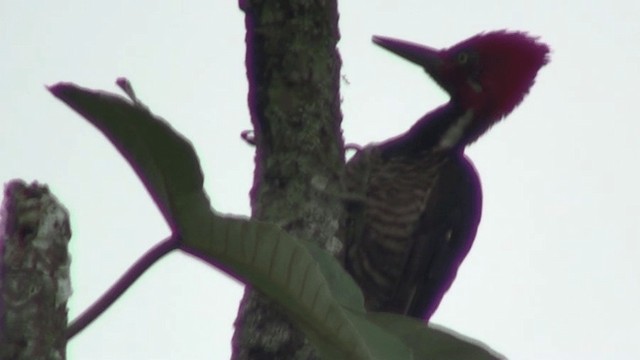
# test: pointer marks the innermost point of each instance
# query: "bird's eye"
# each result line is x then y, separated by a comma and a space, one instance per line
462, 58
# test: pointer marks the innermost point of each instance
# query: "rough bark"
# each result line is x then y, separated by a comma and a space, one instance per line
34, 273
293, 70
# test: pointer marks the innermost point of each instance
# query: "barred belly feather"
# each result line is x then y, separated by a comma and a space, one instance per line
396, 193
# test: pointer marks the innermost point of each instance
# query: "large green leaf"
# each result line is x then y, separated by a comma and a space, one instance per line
433, 342
164, 161
307, 282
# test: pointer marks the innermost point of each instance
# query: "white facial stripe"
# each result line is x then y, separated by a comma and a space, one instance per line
454, 134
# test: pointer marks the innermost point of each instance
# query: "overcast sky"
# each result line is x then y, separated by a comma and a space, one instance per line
554, 271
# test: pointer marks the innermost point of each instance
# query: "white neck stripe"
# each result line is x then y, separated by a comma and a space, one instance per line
453, 135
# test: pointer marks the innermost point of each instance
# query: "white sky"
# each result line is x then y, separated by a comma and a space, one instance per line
553, 273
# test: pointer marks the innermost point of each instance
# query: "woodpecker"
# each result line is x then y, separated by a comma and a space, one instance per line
419, 198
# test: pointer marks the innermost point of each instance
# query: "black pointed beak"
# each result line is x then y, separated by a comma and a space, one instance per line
424, 56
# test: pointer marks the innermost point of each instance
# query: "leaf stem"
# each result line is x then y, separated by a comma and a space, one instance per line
120, 286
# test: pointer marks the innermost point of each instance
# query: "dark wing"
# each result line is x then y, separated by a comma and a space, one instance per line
442, 238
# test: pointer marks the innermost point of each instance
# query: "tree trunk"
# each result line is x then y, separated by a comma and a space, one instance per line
293, 69
34, 274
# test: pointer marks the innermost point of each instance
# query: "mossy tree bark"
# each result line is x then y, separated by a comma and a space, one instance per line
293, 68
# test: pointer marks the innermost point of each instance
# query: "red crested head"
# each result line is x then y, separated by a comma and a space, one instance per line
488, 74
